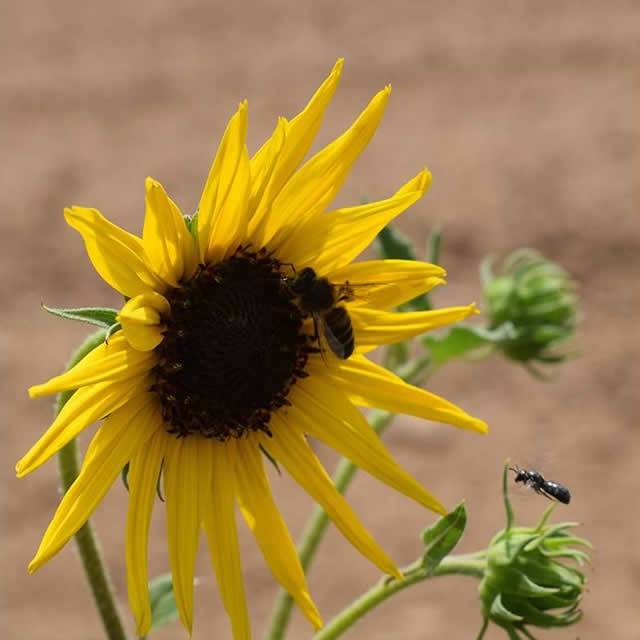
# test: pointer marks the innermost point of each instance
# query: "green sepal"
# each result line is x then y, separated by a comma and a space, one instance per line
163, 602
460, 341
159, 482
192, 225
500, 612
441, 537
270, 458
98, 316
114, 328
124, 476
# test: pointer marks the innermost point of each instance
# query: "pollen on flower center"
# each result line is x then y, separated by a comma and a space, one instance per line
233, 347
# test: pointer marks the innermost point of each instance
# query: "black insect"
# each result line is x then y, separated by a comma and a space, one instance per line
319, 298
546, 488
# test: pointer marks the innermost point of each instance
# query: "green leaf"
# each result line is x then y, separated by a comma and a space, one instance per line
163, 603
433, 246
98, 316
394, 245
457, 342
440, 538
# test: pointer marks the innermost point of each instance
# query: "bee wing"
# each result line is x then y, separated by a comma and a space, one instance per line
359, 292
337, 347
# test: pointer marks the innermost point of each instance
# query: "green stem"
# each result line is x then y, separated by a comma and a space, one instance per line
412, 372
472, 564
86, 539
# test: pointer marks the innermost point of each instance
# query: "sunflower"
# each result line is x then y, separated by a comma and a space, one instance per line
219, 360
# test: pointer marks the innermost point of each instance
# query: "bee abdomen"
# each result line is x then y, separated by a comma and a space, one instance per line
340, 333
557, 491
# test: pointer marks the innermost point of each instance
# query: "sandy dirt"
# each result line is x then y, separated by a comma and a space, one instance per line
527, 115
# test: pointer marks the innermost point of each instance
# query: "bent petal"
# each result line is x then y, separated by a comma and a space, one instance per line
122, 433
144, 470
115, 361
166, 239
266, 523
85, 407
181, 485
223, 208
141, 320
289, 446
370, 385
118, 256
220, 527
373, 328
331, 241
383, 284
326, 414
298, 136
310, 191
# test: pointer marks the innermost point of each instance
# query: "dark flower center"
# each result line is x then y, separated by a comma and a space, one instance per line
232, 348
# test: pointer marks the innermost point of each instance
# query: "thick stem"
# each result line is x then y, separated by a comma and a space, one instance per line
315, 529
86, 539
470, 564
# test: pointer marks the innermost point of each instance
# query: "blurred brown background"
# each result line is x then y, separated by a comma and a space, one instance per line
527, 113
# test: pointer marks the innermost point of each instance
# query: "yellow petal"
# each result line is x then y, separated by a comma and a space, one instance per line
144, 469
166, 239
309, 191
290, 447
118, 256
372, 327
122, 433
299, 134
223, 209
324, 412
370, 385
382, 284
220, 527
115, 361
331, 241
85, 407
266, 523
181, 485
262, 167
141, 320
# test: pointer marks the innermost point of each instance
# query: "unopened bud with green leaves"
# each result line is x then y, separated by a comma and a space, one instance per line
535, 303
527, 581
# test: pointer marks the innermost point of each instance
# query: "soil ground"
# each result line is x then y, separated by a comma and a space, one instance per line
527, 115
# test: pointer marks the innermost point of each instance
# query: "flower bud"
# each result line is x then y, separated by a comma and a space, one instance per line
537, 300
526, 582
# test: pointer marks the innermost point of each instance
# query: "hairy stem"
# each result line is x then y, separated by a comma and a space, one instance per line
472, 564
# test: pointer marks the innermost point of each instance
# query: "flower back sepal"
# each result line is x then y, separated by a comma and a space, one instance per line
103, 317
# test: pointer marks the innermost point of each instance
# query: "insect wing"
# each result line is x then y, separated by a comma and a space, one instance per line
338, 332
338, 348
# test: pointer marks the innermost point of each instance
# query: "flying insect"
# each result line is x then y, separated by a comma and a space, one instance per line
321, 299
546, 488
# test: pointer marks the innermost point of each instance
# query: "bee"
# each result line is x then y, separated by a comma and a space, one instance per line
320, 299
546, 488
